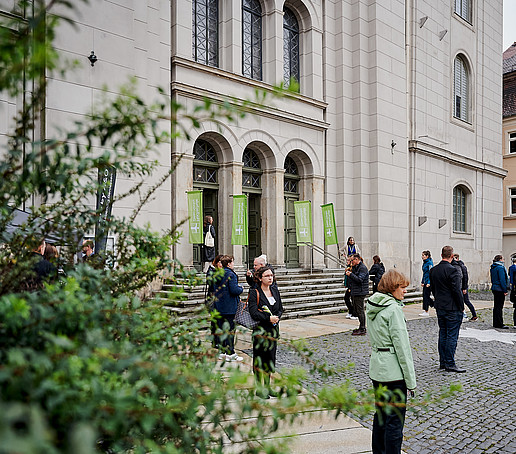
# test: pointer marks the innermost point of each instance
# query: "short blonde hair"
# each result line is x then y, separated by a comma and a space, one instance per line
391, 280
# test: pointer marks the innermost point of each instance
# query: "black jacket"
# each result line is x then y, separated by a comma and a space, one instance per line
255, 306
445, 283
464, 272
208, 253
358, 280
376, 272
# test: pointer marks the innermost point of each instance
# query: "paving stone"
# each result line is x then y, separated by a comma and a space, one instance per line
480, 419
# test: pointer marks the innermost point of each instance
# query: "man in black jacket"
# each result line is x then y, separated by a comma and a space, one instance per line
358, 282
445, 283
464, 270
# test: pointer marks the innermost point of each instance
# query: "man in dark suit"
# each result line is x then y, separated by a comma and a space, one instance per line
445, 283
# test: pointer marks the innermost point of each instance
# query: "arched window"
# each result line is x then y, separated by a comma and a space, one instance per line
205, 163
252, 39
291, 176
290, 47
463, 9
205, 31
460, 89
252, 171
460, 209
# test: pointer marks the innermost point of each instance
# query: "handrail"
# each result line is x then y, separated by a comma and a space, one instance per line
326, 254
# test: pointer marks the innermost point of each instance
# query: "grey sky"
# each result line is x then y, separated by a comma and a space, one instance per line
509, 23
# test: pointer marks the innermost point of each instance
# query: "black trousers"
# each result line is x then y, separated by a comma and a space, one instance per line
388, 420
427, 301
347, 302
359, 310
499, 301
226, 339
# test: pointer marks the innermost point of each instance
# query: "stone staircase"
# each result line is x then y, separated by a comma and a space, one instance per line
302, 294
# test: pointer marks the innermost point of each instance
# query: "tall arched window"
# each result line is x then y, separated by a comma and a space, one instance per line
463, 9
460, 89
205, 31
291, 176
460, 200
290, 47
205, 163
252, 39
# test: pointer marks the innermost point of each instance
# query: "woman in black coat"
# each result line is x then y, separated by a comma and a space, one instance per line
265, 307
376, 272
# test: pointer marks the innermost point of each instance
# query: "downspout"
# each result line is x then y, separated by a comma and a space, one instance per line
325, 111
409, 62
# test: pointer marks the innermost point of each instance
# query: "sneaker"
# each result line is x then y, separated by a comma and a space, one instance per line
472, 319
348, 315
353, 318
234, 357
424, 314
465, 316
222, 357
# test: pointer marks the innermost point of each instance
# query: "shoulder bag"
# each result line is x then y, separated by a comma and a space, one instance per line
242, 316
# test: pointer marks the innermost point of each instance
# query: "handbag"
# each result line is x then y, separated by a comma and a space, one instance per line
209, 241
242, 316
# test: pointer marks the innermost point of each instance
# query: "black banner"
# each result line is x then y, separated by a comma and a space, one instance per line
107, 178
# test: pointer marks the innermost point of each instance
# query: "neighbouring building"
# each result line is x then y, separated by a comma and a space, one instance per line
396, 120
509, 152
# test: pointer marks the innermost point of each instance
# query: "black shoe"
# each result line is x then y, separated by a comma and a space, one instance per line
359, 332
442, 367
455, 369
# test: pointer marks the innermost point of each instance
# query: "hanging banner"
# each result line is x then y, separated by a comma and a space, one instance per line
303, 213
239, 230
330, 229
105, 192
195, 233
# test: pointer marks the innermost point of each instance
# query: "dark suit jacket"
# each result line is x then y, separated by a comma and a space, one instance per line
445, 283
255, 308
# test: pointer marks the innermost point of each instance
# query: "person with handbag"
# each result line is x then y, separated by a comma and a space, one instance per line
265, 306
208, 248
226, 302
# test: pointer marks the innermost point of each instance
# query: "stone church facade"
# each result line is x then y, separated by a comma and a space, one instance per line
396, 120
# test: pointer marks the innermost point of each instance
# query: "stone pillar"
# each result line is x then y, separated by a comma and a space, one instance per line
182, 181
181, 30
312, 188
273, 209
272, 53
312, 63
230, 36
230, 183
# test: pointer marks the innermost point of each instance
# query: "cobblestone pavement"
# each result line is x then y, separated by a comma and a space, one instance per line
480, 419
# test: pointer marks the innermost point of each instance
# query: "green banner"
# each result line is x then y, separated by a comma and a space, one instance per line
330, 229
195, 233
239, 230
303, 212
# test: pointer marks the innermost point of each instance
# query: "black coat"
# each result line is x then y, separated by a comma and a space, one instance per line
255, 307
208, 253
464, 272
358, 280
445, 283
376, 272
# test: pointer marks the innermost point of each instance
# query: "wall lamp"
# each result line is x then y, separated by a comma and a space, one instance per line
92, 58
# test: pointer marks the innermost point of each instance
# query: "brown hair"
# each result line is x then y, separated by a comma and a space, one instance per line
50, 252
377, 259
88, 243
217, 259
259, 273
446, 252
226, 260
391, 280
497, 258
356, 256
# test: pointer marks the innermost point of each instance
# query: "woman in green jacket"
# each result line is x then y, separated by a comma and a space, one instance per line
391, 364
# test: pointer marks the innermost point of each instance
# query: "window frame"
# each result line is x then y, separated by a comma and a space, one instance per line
511, 141
512, 198
294, 53
459, 9
464, 215
461, 89
212, 36
255, 70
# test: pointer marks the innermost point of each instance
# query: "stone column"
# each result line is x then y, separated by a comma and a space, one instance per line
230, 183
181, 30
230, 36
273, 47
273, 209
182, 181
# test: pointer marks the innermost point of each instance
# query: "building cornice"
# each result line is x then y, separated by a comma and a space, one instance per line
183, 88
416, 146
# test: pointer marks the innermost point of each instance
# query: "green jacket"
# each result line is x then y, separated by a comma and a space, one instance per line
388, 330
